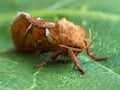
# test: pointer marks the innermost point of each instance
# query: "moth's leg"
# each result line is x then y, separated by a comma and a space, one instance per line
29, 28
91, 54
53, 57
74, 59
47, 25
36, 22
74, 49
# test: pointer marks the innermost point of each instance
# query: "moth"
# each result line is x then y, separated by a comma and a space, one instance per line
31, 34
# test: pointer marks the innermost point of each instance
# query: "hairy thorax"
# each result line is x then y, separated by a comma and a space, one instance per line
66, 33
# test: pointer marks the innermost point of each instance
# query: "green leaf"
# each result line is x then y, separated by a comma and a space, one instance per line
17, 70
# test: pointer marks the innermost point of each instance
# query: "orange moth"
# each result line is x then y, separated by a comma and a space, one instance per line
33, 34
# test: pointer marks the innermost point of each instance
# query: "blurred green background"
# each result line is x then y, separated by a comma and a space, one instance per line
101, 16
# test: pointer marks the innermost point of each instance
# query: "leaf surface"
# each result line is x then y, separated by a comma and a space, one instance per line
101, 16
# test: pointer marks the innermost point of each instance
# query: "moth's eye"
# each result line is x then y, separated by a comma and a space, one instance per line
40, 42
76, 47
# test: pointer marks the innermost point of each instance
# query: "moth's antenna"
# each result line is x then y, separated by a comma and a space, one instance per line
90, 35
